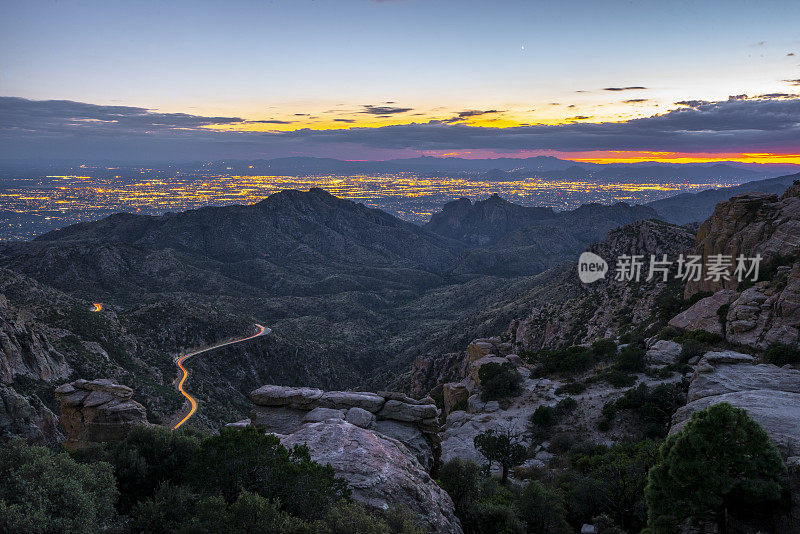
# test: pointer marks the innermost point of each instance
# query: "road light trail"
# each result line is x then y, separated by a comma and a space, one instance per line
97, 306
261, 332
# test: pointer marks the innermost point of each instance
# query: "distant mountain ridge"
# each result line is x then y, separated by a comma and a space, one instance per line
696, 207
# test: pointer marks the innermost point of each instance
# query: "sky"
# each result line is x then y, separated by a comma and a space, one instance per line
599, 80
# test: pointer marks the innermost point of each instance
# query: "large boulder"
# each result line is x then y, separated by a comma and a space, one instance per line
704, 314
770, 394
344, 400
380, 470
768, 313
278, 419
480, 348
663, 352
403, 411
455, 394
419, 443
97, 411
297, 397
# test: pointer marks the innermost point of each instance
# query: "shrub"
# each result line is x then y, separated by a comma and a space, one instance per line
499, 381
668, 332
617, 378
42, 491
654, 406
544, 416
542, 510
571, 388
180, 509
565, 406
610, 480
482, 505
147, 457
248, 459
631, 358
604, 348
503, 447
782, 355
692, 349
720, 465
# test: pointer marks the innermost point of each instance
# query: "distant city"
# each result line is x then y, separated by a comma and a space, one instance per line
35, 205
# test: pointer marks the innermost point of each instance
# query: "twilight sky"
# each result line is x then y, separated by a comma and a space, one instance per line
600, 80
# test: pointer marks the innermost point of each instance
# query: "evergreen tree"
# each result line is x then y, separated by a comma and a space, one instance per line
721, 463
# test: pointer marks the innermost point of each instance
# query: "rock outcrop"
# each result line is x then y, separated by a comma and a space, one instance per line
663, 352
704, 314
380, 470
28, 418
770, 394
760, 309
566, 312
97, 411
285, 409
749, 224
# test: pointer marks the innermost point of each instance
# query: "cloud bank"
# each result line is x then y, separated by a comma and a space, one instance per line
59, 129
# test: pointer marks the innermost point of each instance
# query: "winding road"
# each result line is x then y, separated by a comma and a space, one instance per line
261, 332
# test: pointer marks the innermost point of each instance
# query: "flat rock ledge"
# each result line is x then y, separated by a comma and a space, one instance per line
284, 410
770, 394
96, 411
380, 470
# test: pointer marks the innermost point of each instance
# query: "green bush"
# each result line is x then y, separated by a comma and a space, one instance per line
482, 505
604, 348
147, 457
608, 480
542, 510
565, 406
692, 348
653, 406
180, 509
631, 358
45, 492
720, 466
544, 416
571, 388
499, 381
503, 447
248, 459
782, 355
617, 378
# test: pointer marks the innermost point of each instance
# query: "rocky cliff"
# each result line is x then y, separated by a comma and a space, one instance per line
761, 313
284, 409
97, 411
384, 444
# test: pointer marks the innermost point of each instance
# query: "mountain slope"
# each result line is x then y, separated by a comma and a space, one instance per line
696, 207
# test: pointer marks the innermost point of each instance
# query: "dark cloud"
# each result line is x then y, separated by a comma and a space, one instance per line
629, 88
383, 110
270, 121
793, 82
70, 129
634, 100
578, 118
60, 114
464, 115
343, 120
790, 54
